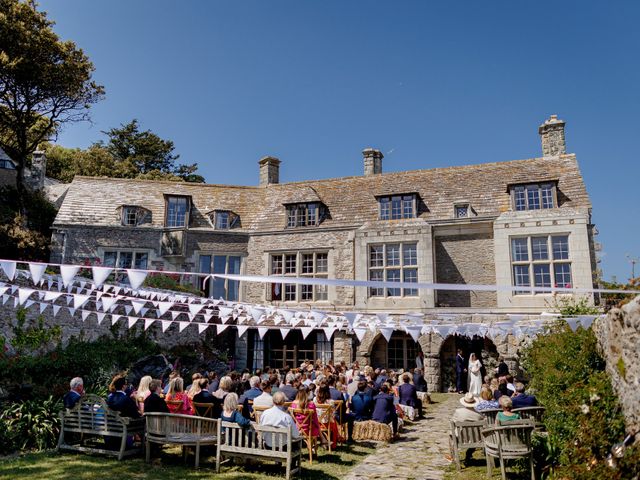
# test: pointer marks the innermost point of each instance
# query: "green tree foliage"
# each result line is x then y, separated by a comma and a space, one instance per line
45, 82
127, 152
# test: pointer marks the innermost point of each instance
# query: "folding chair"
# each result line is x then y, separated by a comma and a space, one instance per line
304, 422
326, 412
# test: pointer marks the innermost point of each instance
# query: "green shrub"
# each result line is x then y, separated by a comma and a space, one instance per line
170, 282
32, 424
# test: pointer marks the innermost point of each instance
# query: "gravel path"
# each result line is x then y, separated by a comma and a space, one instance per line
418, 454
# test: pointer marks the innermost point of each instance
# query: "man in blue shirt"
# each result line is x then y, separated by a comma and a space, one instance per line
74, 394
250, 394
521, 399
361, 403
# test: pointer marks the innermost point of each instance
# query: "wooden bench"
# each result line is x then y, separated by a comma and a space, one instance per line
236, 441
490, 415
92, 418
464, 435
177, 429
534, 414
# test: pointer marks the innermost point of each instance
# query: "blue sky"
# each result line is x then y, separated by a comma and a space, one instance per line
431, 84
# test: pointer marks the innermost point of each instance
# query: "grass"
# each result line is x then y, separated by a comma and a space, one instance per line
476, 469
54, 466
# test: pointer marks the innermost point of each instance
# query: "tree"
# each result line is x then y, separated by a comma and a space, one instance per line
45, 82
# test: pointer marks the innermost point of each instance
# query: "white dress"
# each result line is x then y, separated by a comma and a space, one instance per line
475, 377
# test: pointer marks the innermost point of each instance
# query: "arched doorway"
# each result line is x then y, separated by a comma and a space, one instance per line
399, 353
483, 347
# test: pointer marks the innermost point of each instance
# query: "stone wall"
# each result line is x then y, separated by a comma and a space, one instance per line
7, 177
465, 259
619, 338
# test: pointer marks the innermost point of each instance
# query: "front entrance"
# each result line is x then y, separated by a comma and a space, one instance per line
274, 352
483, 347
399, 353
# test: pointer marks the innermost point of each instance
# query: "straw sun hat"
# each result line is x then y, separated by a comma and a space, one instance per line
468, 400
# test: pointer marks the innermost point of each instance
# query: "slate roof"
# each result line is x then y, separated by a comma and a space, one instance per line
350, 200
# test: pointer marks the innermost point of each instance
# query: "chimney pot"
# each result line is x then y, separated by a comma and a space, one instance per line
552, 136
372, 161
269, 170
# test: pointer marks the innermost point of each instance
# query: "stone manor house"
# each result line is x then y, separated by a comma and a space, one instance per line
513, 223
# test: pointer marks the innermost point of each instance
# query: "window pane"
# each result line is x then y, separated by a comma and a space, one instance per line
141, 261
291, 216
560, 246
376, 276
410, 254
396, 208
322, 264
219, 264
312, 214
289, 292
462, 211
176, 211
125, 260
218, 288
205, 264
393, 275
547, 195
384, 208
541, 275
290, 264
130, 216
393, 255
521, 277
321, 293
276, 265
376, 256
407, 206
533, 197
410, 276
519, 250
519, 198
562, 272
110, 259
234, 265
301, 216
539, 248
233, 287
306, 293
222, 220
307, 263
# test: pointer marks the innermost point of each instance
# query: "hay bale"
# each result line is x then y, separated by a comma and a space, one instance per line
372, 431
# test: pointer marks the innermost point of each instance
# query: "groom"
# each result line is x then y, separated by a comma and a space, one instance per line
460, 372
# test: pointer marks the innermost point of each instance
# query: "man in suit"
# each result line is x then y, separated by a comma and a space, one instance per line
381, 378
503, 369
120, 401
253, 392
153, 403
76, 391
289, 391
460, 372
418, 380
408, 396
361, 404
206, 397
521, 399
384, 410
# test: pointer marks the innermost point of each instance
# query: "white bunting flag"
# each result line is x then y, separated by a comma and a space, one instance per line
202, 327
351, 317
306, 331
85, 314
115, 318
72, 311
284, 332
56, 309
257, 314
136, 278
163, 307
414, 331
100, 316
360, 333
80, 300
442, 330
108, 302
165, 325
132, 321
51, 296
68, 272
43, 307
137, 305
329, 331
225, 311
29, 303
9, 268
318, 317
221, 328
24, 294
37, 270
387, 332
183, 325
100, 275
586, 321
148, 322
195, 308
242, 329
573, 323
286, 314
175, 315
262, 331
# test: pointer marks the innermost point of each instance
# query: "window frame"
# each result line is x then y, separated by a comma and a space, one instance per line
386, 204
383, 267
526, 188
226, 282
466, 205
536, 266
298, 215
296, 292
126, 211
118, 251
187, 213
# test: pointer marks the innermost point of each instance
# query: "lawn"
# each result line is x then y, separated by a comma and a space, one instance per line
53, 466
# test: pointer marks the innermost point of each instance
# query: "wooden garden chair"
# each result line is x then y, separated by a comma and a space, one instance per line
304, 422
326, 412
534, 414
257, 411
506, 442
203, 409
490, 415
342, 426
465, 435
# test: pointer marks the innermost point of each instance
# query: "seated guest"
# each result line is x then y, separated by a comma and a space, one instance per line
352, 387
264, 399
384, 411
322, 399
521, 399
467, 412
506, 414
214, 382
172, 375
205, 397
230, 411
418, 381
119, 401
289, 391
141, 394
76, 390
226, 384
336, 394
253, 392
381, 378
277, 416
408, 396
486, 401
194, 389
502, 390
177, 400
153, 402
361, 403
502, 370
301, 402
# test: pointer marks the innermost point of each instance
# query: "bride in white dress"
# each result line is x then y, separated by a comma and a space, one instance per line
475, 375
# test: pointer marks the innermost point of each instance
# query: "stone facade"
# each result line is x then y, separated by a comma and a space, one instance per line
461, 223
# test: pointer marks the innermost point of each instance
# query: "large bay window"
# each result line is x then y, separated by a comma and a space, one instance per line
221, 287
540, 261
393, 262
299, 264
125, 259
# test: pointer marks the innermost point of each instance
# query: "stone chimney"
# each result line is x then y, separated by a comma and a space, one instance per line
552, 135
269, 170
372, 161
34, 177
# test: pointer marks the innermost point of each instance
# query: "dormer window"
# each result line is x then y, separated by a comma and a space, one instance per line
177, 211
396, 207
534, 196
7, 164
133, 215
305, 214
129, 216
223, 219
